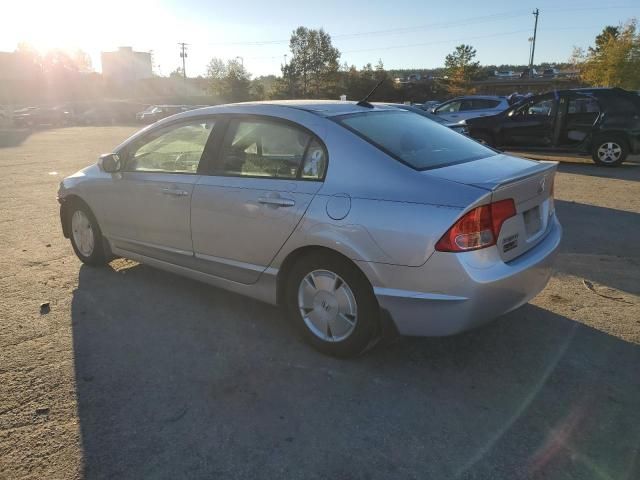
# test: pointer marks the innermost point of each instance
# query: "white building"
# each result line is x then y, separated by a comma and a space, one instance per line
126, 66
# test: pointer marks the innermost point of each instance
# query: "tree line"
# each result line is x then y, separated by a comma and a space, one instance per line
315, 70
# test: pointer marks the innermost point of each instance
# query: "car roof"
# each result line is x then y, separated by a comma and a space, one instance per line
323, 108
481, 97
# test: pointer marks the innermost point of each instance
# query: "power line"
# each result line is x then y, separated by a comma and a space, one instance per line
392, 31
437, 25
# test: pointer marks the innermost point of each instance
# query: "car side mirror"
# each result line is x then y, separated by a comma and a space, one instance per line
109, 162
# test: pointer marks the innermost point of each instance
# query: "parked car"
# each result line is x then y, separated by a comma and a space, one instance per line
428, 105
550, 73
343, 213
39, 116
455, 126
604, 122
106, 112
462, 108
154, 113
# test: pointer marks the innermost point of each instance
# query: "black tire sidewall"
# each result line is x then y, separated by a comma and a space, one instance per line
605, 139
368, 310
97, 257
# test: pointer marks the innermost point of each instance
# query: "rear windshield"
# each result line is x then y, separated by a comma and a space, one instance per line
413, 139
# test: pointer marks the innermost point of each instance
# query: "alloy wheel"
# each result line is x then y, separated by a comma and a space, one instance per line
609, 152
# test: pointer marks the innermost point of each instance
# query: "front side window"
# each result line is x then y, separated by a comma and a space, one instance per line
542, 107
451, 107
262, 148
173, 149
414, 139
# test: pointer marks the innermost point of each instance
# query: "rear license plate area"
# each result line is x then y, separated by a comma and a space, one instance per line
532, 221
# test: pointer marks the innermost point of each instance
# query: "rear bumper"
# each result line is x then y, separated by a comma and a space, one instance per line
474, 288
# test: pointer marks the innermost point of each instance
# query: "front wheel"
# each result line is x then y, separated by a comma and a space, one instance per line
332, 304
85, 235
609, 151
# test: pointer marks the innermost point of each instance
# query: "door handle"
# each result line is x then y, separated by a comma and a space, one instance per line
175, 192
277, 201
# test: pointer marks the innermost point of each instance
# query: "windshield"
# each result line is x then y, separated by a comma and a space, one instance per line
413, 139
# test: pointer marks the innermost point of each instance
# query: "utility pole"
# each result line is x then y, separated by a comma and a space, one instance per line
183, 56
536, 12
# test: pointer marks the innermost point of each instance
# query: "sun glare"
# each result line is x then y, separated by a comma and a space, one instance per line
74, 24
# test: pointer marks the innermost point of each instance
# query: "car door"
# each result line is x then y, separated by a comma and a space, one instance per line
531, 124
265, 175
577, 114
147, 209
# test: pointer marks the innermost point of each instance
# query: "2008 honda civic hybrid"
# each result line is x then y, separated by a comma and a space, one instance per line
343, 213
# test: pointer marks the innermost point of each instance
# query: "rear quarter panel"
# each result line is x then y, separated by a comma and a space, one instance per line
382, 231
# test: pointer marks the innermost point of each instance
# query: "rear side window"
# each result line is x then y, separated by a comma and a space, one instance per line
483, 103
620, 105
582, 105
263, 148
413, 139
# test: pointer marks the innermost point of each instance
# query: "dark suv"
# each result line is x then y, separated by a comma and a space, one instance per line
604, 122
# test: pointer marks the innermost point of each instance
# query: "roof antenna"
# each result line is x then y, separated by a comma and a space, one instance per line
364, 102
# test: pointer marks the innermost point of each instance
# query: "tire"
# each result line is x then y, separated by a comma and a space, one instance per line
609, 151
85, 235
342, 313
484, 137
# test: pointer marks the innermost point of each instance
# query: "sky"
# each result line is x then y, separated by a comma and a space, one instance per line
403, 34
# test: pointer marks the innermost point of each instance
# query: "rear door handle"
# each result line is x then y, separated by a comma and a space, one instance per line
175, 192
277, 201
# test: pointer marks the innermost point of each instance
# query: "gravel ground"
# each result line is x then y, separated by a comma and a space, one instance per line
136, 373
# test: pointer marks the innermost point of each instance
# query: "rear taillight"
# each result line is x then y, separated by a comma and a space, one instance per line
478, 228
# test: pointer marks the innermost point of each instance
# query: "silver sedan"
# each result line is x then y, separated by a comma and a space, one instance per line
345, 214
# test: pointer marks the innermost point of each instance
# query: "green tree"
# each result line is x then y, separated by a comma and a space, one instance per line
614, 61
609, 32
229, 81
314, 63
461, 69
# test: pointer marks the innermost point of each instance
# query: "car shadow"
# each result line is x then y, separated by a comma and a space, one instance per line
596, 256
13, 137
626, 171
177, 379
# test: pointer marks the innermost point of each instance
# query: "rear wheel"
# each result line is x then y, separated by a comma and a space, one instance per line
85, 235
609, 151
332, 304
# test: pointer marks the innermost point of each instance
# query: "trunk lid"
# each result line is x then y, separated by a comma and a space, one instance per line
528, 182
